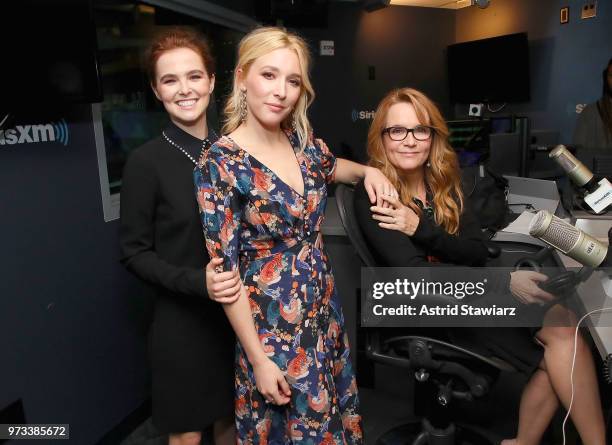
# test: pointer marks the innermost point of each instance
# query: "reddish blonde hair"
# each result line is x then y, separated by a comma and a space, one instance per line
442, 178
178, 37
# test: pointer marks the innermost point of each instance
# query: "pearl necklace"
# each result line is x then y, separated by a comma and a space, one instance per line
205, 143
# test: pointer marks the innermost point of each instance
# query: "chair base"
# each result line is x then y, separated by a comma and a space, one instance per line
423, 433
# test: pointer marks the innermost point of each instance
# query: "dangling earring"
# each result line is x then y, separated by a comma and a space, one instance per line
293, 123
243, 106
428, 164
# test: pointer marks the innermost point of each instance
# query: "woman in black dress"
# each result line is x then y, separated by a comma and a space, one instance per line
162, 243
429, 224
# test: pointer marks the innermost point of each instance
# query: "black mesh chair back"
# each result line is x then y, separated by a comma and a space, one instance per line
346, 209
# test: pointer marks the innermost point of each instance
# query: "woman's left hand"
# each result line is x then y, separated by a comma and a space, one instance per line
396, 216
377, 185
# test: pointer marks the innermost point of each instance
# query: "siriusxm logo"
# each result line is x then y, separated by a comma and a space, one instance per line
28, 134
361, 115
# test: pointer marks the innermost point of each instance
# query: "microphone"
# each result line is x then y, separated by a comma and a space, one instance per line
568, 239
578, 173
599, 193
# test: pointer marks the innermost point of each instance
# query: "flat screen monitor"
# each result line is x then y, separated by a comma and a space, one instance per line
491, 70
49, 54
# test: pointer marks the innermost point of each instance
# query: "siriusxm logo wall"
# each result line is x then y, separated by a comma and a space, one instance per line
362, 115
29, 134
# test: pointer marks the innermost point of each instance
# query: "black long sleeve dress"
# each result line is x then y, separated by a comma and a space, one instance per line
394, 249
161, 240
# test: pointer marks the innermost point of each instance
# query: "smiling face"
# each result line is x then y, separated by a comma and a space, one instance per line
183, 85
273, 85
408, 155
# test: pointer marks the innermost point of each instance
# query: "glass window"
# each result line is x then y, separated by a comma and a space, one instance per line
130, 115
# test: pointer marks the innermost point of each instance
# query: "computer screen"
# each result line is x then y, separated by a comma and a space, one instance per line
490, 70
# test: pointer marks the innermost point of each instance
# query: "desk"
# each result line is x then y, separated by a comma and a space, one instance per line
581, 214
591, 294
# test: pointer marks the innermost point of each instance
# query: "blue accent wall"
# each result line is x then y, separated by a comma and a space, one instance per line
73, 322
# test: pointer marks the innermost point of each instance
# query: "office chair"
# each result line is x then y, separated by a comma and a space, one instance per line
444, 370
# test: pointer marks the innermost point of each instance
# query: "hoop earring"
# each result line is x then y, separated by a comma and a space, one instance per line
243, 106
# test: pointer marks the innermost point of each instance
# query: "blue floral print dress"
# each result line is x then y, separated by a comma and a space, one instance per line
262, 226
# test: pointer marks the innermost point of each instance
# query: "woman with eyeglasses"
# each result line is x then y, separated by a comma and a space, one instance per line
430, 224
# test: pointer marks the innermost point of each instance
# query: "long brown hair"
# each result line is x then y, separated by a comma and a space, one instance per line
442, 177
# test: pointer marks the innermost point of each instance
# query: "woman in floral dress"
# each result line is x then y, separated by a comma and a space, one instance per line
262, 193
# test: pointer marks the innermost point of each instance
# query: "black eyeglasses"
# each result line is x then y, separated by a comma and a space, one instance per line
420, 132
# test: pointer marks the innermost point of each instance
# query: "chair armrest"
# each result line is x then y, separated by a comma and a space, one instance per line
494, 251
496, 363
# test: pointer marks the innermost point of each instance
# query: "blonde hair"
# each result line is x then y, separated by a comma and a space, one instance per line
442, 177
258, 43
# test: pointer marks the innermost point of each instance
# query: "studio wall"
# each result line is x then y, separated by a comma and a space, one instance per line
566, 60
405, 46
73, 322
